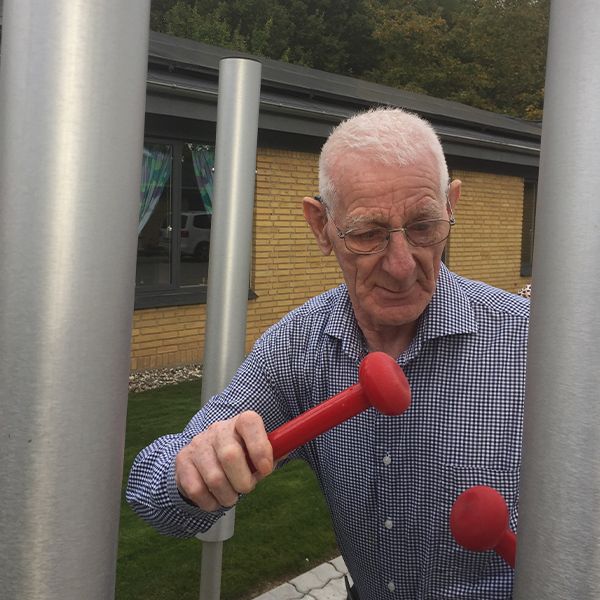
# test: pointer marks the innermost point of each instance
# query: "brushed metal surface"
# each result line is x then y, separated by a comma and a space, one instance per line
229, 261
558, 552
231, 233
72, 92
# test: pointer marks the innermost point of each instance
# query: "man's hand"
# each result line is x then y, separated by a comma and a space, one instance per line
212, 470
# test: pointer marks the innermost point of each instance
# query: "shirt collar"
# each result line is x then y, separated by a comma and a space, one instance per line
343, 326
448, 313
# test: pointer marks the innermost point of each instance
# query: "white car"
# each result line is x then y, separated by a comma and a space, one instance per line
195, 234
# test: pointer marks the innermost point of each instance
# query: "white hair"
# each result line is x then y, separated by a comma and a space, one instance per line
388, 136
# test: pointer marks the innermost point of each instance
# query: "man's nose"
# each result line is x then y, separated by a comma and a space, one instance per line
398, 257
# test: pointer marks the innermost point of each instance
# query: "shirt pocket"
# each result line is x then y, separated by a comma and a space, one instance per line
460, 573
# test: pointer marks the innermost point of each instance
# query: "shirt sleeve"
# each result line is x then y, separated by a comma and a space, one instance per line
151, 489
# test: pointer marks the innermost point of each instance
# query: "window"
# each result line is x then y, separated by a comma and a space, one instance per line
174, 223
154, 250
527, 234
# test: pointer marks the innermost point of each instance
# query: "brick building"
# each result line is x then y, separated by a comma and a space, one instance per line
495, 156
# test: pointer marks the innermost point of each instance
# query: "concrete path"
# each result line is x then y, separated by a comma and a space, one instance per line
325, 582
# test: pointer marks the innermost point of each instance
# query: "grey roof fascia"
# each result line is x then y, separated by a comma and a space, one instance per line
168, 93
314, 84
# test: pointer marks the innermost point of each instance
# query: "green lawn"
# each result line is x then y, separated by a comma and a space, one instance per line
281, 530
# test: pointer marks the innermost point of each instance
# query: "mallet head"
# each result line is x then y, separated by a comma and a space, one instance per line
479, 518
384, 383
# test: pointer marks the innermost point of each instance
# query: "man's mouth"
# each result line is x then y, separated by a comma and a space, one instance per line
395, 293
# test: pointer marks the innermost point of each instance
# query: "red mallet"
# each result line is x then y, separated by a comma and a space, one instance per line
381, 384
479, 522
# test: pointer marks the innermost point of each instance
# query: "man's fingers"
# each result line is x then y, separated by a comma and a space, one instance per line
200, 478
251, 429
235, 468
214, 478
212, 470
190, 484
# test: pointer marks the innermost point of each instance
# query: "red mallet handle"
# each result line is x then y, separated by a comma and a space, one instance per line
382, 384
479, 522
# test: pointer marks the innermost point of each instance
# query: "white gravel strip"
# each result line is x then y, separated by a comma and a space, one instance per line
151, 379
525, 292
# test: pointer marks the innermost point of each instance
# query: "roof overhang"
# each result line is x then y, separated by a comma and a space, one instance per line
183, 82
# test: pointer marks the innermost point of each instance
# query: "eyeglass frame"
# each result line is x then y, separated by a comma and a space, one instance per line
342, 234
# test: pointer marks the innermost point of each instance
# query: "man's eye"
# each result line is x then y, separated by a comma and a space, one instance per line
368, 235
421, 226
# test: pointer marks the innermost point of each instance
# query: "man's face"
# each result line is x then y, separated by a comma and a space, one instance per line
390, 289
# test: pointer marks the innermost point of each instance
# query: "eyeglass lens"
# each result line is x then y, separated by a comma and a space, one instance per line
375, 239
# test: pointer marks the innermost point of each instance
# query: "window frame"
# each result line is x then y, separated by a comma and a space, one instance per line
158, 296
530, 193
173, 294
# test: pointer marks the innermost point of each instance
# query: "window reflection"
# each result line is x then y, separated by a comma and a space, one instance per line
175, 215
154, 225
196, 212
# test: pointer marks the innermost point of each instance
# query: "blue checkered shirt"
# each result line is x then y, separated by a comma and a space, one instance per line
389, 482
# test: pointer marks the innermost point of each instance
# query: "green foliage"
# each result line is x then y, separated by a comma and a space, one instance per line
197, 23
281, 530
487, 53
508, 39
333, 35
414, 48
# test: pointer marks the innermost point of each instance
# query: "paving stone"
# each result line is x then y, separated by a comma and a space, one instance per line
315, 578
334, 590
323, 582
285, 591
339, 564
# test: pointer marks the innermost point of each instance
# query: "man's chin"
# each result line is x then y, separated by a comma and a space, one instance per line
383, 308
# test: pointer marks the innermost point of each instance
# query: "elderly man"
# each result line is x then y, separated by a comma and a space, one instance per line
385, 210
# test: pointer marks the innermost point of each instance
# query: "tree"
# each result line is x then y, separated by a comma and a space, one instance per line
333, 35
507, 39
486, 53
413, 45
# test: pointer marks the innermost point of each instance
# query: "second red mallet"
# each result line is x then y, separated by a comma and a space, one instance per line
479, 522
381, 384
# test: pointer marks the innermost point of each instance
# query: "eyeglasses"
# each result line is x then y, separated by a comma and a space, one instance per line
372, 240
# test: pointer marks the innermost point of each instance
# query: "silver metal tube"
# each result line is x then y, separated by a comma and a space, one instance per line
72, 93
558, 555
229, 261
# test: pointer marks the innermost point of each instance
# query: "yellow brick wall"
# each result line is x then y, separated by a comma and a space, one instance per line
486, 241
288, 268
170, 336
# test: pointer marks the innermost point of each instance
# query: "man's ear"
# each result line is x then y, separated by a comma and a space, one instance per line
316, 217
454, 193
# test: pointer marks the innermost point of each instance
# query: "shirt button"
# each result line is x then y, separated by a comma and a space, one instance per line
388, 523
387, 459
391, 586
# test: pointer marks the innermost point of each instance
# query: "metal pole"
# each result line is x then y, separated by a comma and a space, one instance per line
72, 92
558, 553
229, 262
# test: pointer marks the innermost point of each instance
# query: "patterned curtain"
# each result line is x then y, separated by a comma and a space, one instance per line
203, 158
156, 171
